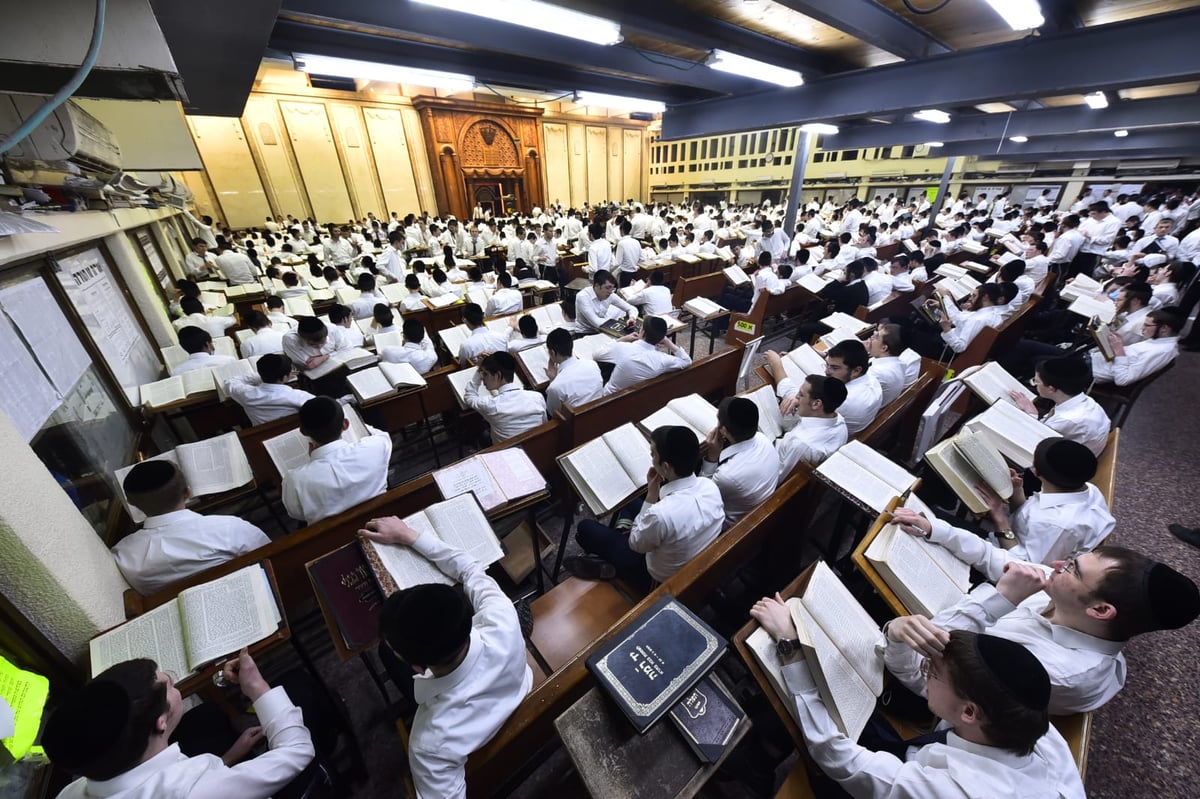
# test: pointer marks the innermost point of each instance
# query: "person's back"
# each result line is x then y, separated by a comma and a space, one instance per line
198, 344
236, 268
481, 340
417, 349
267, 397
574, 381
638, 358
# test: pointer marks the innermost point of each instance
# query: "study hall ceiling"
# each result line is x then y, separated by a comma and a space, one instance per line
867, 65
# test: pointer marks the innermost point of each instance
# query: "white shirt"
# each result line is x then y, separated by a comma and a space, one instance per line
746, 476
591, 312
197, 266
1085, 671
411, 302
1052, 527
300, 351
600, 256
340, 252
480, 341
1080, 419
636, 361
892, 375
281, 321
1141, 359
201, 360
504, 301
879, 286
512, 410
1100, 233
1130, 330
811, 441
969, 324
864, 398
656, 300
392, 263
1168, 247
578, 381
687, 518
265, 402
461, 711
215, 326
264, 341
421, 355
339, 475
237, 268
364, 306
181, 543
629, 251
1066, 246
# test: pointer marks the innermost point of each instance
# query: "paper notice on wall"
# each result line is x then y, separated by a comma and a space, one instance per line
45, 328
26, 394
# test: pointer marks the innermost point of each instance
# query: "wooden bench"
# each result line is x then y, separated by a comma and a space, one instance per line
767, 306
709, 286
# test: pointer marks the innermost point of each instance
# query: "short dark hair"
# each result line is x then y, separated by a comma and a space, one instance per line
892, 337
257, 320
505, 280
190, 305
155, 487
473, 314
340, 313
321, 419
993, 291
194, 339
383, 315
559, 342
427, 625
852, 353
501, 363
1068, 375
274, 302
311, 329
654, 329
739, 416
603, 277
829, 390
678, 447
414, 331
366, 282
657, 278
273, 367
1171, 316
412, 282
1012, 270
528, 326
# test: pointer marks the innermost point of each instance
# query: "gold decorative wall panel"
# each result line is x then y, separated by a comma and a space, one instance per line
597, 164
230, 169
634, 168
317, 156
558, 170
352, 142
385, 131
277, 165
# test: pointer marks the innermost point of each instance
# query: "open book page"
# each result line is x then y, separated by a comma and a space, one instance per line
369, 384
453, 337
221, 375
198, 381
848, 699
588, 346
986, 461
598, 476
840, 320
837, 336
355, 357
406, 567
802, 362
667, 417
991, 382
469, 476
460, 523
163, 392
458, 383
699, 413
444, 300
227, 614
841, 616
736, 275
632, 450
762, 646
393, 292
907, 565
330, 365
225, 345
702, 307
173, 356
958, 473
347, 295
813, 283
119, 475
882, 467
1012, 431
513, 472
770, 420
852, 478
287, 451
401, 374
391, 339
156, 635
298, 306
536, 359
214, 465
1088, 307
1080, 286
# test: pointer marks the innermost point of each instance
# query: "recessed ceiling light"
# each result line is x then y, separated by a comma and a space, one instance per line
752, 68
932, 115
935, 144
820, 127
1096, 100
1120, 134
1018, 139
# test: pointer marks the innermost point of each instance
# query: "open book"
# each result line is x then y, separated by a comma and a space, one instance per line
737, 276
844, 321
704, 308
242, 290
925, 577
692, 411
938, 417
1100, 331
966, 461
865, 477
452, 338
221, 374
204, 623
952, 271
839, 640
496, 478
384, 379
547, 317
347, 295
393, 338
1010, 430
802, 362
222, 345
607, 471
459, 521
770, 420
393, 292
992, 382
298, 306
292, 448
813, 283
443, 300
211, 466
353, 358
459, 381
1099, 307
171, 390
960, 288
633, 290
973, 247
1081, 286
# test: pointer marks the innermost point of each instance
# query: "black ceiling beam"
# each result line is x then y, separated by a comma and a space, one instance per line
1093, 155
1129, 114
490, 68
217, 60
1060, 15
1044, 66
874, 24
432, 25
1183, 140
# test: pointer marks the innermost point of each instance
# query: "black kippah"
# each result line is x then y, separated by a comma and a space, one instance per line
743, 413
426, 624
149, 476
1173, 598
1015, 668
310, 326
85, 727
319, 413
1065, 463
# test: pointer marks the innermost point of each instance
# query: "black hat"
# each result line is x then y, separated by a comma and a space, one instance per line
319, 413
85, 729
311, 326
426, 624
149, 476
1065, 463
1174, 599
1016, 668
1070, 375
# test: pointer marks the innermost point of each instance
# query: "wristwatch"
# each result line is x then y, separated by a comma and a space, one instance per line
1007, 535
786, 647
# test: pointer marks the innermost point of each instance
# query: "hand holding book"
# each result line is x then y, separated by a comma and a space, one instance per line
774, 616
243, 671
912, 522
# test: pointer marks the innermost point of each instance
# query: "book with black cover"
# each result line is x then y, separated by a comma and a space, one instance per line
656, 661
347, 589
708, 719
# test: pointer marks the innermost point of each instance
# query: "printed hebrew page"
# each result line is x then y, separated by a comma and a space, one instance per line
287, 451
536, 359
401, 374
163, 392
840, 614
227, 614
214, 465
632, 450
699, 413
666, 416
513, 472
852, 478
460, 523
910, 562
599, 476
468, 476
156, 635
849, 700
879, 465
370, 384
406, 567
770, 420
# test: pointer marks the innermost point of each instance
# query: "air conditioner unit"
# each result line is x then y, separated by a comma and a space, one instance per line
69, 134
1148, 166
919, 151
1016, 169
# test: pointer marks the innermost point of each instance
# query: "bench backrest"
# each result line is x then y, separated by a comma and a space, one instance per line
766, 306
252, 438
709, 285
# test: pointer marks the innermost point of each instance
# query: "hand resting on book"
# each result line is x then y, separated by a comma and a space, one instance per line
911, 522
775, 617
919, 634
389, 530
1024, 403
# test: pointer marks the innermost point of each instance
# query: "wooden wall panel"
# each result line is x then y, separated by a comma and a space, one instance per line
351, 138
393, 160
277, 164
317, 156
577, 158
230, 168
634, 169
597, 164
558, 164
422, 171
616, 167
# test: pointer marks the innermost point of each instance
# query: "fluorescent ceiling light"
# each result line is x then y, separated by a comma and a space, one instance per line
932, 115
1018, 139
749, 68
1120, 134
1096, 100
387, 73
539, 16
935, 144
820, 127
1021, 15
616, 101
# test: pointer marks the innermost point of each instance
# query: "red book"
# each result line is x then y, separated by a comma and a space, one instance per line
349, 593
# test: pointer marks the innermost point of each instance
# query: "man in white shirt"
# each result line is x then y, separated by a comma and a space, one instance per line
681, 515
820, 430
986, 690
174, 542
894, 366
505, 299
572, 227
638, 357
595, 305
309, 345
265, 339
573, 381
414, 300
392, 262
417, 349
339, 474
507, 407
774, 241
848, 362
339, 250
655, 298
195, 316
481, 341
344, 330
236, 268
199, 345
628, 253
959, 328
1066, 245
267, 397
459, 656
456, 237
364, 306
279, 320
1099, 230
200, 263
116, 732
1157, 349
1157, 248
879, 283
739, 459
1075, 415
600, 251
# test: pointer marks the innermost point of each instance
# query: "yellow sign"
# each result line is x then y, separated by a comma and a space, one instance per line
25, 694
742, 326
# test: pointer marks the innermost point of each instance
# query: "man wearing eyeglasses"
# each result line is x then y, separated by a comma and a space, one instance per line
1156, 350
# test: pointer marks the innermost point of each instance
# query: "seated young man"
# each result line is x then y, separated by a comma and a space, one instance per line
265, 339
268, 396
199, 345
481, 341
463, 659
417, 349
987, 309
1075, 415
1156, 350
739, 459
524, 334
641, 356
1075, 619
175, 542
994, 737
343, 330
505, 299
681, 515
593, 306
195, 316
820, 430
279, 320
116, 733
848, 362
309, 345
507, 407
339, 474
894, 366
413, 301
364, 305
573, 381
656, 297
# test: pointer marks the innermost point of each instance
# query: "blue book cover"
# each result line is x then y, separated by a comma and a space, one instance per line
656, 661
